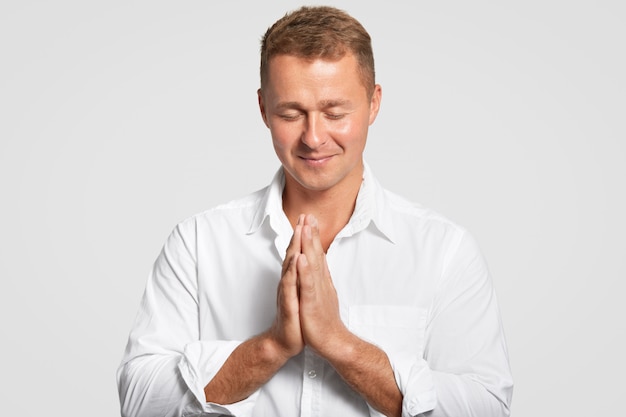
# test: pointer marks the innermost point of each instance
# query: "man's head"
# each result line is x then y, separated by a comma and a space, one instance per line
319, 33
318, 98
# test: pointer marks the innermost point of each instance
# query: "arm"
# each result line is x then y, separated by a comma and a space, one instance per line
249, 367
255, 361
465, 347
366, 368
166, 366
307, 313
464, 368
165, 336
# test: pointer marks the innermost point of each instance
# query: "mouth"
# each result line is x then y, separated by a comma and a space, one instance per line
316, 160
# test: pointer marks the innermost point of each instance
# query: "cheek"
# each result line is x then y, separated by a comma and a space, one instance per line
351, 132
283, 137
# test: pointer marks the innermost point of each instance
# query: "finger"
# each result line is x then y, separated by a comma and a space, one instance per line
314, 251
295, 245
306, 284
290, 273
312, 244
287, 289
317, 240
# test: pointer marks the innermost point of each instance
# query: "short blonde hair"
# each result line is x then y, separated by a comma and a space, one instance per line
319, 32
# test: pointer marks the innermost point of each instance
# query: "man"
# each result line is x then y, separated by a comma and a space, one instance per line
322, 294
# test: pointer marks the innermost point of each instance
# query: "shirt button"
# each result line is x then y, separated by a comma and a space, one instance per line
312, 374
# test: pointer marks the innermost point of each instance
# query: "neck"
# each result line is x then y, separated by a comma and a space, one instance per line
332, 208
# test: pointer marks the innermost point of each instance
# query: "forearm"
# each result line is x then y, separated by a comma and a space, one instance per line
248, 367
367, 370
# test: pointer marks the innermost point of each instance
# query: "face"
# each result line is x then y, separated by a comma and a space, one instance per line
318, 113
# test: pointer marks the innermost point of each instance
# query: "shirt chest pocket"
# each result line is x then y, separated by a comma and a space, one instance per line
395, 329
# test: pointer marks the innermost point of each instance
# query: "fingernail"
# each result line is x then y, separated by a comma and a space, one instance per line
307, 231
313, 221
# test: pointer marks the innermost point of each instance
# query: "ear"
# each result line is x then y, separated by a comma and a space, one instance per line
375, 102
262, 107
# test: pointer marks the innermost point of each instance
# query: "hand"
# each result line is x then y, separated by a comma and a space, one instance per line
322, 328
285, 330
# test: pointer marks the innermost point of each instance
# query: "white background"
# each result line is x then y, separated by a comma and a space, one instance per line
120, 119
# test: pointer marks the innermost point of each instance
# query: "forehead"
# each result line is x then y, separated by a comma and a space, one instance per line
286, 61
289, 74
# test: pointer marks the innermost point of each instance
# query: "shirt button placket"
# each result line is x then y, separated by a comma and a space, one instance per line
311, 385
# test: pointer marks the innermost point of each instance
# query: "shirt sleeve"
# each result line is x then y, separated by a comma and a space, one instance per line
166, 366
464, 369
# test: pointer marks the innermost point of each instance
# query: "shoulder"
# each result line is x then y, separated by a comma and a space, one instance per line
237, 213
237, 208
417, 226
430, 230
406, 211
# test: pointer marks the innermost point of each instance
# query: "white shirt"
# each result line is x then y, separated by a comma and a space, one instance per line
408, 280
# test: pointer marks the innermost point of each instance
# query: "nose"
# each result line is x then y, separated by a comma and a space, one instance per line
313, 135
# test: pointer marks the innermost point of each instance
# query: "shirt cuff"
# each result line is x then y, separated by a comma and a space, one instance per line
200, 363
415, 380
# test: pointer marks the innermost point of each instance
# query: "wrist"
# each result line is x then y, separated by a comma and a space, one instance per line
271, 351
340, 348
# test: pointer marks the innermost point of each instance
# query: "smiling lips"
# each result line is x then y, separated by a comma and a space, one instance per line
316, 160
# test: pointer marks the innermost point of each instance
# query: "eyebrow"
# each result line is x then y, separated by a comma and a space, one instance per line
324, 104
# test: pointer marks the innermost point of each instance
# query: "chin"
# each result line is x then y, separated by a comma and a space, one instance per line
317, 185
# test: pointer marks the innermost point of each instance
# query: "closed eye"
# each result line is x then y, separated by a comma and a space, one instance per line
290, 116
335, 116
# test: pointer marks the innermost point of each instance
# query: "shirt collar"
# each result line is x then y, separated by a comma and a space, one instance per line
370, 208
271, 204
